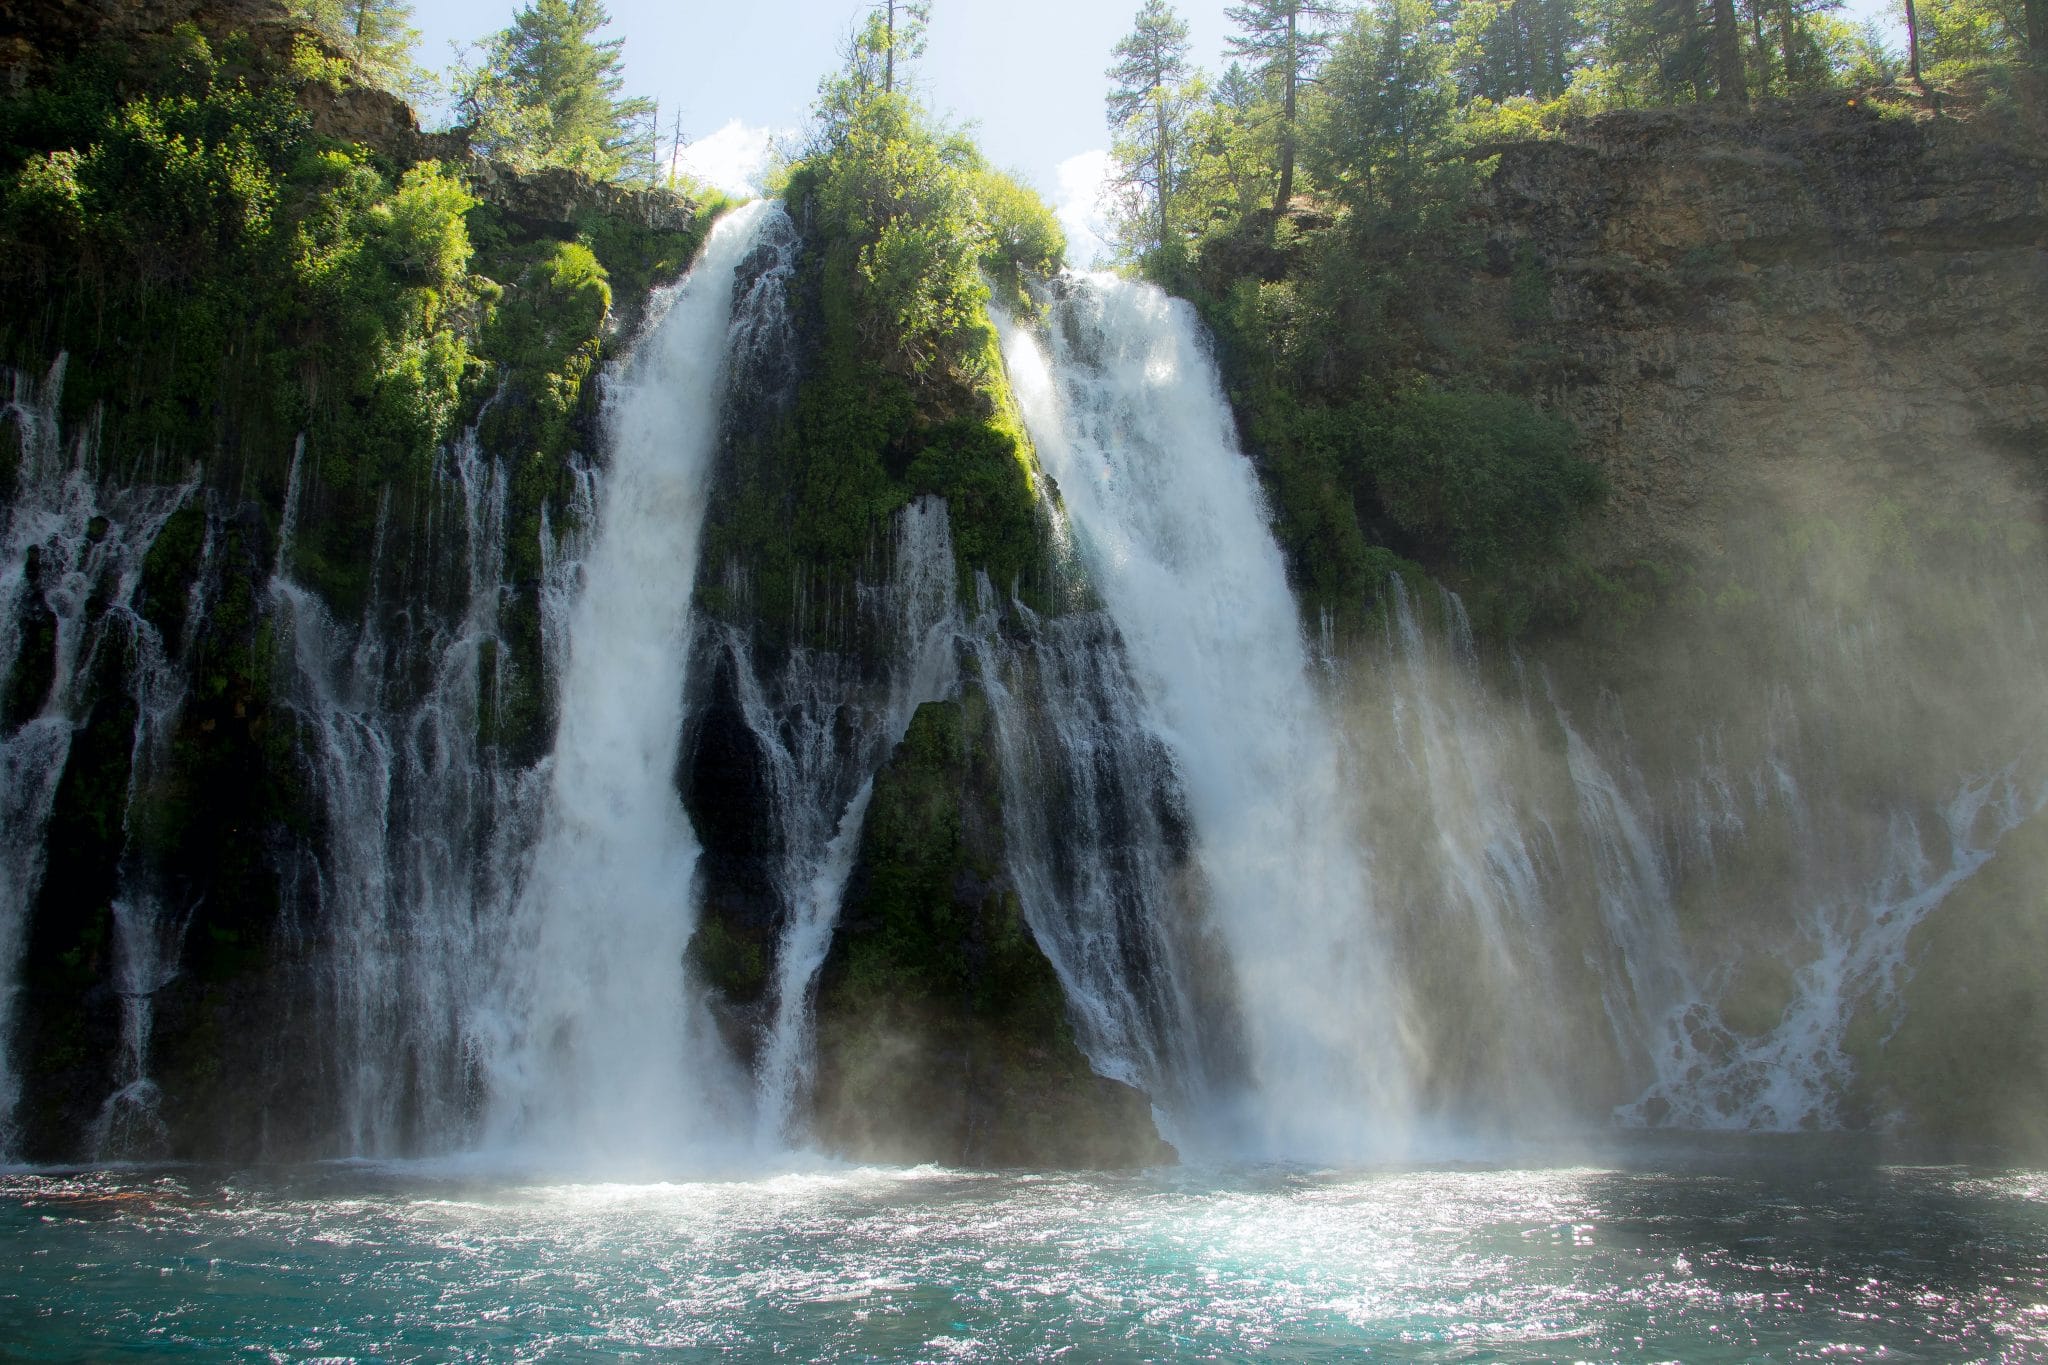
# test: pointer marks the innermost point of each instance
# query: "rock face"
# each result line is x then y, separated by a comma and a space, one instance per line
1806, 296
943, 1032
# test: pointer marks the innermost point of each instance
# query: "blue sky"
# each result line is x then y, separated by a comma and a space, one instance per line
1028, 76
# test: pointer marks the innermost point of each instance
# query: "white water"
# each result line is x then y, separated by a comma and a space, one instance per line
88, 543
822, 737
1092, 818
1124, 405
424, 828
149, 934
594, 1045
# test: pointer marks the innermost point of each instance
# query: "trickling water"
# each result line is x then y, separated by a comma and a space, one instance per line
823, 739
72, 557
594, 1045
1094, 824
149, 936
423, 828
1124, 405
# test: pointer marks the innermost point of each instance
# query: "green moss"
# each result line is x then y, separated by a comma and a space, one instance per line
171, 568
943, 1030
734, 965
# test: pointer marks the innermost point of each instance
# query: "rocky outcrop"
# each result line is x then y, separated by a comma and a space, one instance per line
1790, 299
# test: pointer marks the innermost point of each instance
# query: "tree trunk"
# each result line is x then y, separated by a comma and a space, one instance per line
1728, 54
1913, 45
1285, 196
2037, 31
889, 51
1788, 32
1164, 157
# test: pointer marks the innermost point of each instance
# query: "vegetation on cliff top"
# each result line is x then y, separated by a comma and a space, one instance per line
1322, 203
907, 229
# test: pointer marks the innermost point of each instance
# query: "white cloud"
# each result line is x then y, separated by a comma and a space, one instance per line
1083, 207
733, 159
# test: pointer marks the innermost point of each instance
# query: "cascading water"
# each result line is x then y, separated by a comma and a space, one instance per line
70, 566
1303, 903
1512, 830
1123, 403
593, 1042
822, 738
1095, 826
423, 829
149, 935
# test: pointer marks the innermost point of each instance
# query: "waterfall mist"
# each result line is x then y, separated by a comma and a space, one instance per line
1690, 871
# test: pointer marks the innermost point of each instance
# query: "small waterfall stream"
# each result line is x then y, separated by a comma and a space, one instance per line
70, 566
822, 748
1096, 828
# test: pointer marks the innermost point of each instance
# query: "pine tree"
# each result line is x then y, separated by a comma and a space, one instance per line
377, 35
548, 93
1284, 40
1506, 48
1150, 99
1389, 102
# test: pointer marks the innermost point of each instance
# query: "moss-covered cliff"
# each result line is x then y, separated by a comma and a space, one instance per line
943, 1031
261, 271
1705, 303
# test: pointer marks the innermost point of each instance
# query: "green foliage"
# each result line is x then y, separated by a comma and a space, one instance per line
1153, 97
376, 37
226, 281
548, 93
902, 391
1484, 476
920, 216
1959, 36
1388, 104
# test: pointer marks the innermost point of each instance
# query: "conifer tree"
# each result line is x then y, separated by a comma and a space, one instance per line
1390, 100
377, 35
1284, 40
549, 93
1150, 99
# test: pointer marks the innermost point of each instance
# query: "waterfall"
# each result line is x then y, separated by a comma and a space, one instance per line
823, 735
593, 1042
1094, 822
422, 827
70, 565
149, 935
1123, 402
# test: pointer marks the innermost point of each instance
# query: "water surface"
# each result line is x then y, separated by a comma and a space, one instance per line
1781, 1255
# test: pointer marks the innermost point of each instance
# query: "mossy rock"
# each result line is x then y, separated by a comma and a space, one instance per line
942, 1028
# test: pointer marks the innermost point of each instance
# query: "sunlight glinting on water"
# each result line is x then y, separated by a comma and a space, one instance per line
1721, 1262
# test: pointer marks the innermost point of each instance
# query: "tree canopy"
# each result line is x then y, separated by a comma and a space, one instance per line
549, 92
376, 35
1151, 102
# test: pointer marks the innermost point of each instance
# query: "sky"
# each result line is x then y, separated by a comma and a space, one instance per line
1027, 76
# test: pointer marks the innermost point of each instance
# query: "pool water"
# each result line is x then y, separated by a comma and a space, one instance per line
1717, 1256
